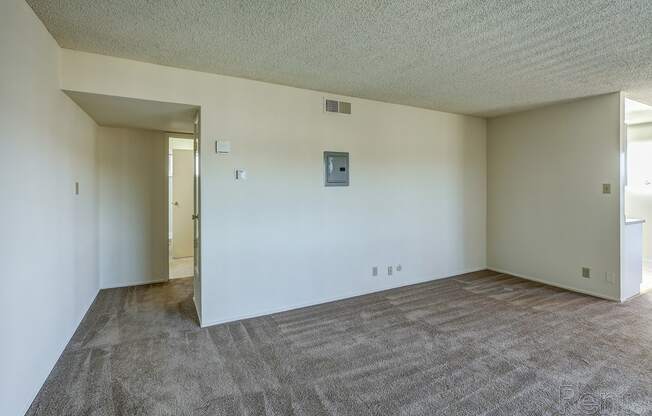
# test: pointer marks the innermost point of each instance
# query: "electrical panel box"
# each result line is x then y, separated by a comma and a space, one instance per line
336, 169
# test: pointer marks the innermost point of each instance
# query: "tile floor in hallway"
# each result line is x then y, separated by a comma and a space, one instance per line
181, 267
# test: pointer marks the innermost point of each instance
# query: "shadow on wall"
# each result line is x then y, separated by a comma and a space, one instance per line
133, 206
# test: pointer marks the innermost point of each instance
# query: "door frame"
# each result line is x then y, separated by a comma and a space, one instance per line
197, 215
173, 169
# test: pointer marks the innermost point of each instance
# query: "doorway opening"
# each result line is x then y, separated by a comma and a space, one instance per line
180, 197
638, 189
141, 144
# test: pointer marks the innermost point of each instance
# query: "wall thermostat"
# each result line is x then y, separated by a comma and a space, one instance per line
222, 147
336, 168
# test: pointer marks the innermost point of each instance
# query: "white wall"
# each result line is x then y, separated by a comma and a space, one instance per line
547, 216
638, 194
133, 206
281, 239
48, 249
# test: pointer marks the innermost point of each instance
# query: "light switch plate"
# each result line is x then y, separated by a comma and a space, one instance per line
606, 188
240, 174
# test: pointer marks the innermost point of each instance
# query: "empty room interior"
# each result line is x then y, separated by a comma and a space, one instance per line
326, 208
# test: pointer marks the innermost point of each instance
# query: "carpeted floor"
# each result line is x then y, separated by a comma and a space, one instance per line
474, 344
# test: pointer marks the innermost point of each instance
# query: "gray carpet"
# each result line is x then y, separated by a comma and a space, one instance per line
474, 344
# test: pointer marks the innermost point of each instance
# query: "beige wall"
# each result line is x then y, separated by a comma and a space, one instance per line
281, 239
638, 202
48, 249
133, 206
547, 216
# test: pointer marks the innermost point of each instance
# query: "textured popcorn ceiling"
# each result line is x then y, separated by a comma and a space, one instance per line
468, 56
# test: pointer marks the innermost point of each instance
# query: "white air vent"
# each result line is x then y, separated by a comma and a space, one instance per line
333, 106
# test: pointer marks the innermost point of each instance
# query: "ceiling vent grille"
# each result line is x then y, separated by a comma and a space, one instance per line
333, 106
345, 108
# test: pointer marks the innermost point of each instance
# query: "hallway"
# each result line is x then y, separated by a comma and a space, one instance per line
181, 267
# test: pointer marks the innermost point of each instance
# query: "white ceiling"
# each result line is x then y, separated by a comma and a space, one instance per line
468, 56
637, 113
113, 111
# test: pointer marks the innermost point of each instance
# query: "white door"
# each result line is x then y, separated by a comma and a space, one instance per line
183, 203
